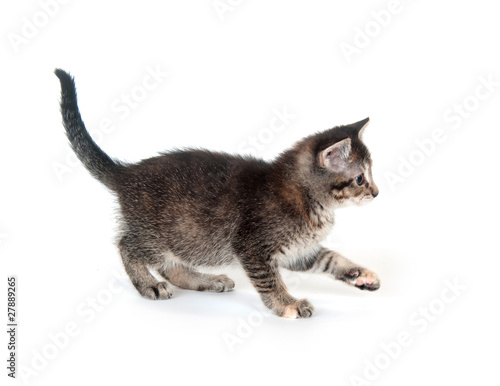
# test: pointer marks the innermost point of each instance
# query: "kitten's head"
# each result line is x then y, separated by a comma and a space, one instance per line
338, 166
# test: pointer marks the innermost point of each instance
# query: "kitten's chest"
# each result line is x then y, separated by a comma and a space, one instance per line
304, 244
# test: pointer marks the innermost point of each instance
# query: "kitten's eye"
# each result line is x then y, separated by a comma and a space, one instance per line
360, 179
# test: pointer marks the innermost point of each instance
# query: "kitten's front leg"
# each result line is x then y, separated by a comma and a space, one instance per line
341, 268
266, 279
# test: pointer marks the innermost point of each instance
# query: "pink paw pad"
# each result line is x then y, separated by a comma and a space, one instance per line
361, 281
367, 281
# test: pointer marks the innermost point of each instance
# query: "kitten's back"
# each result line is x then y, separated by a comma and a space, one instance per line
192, 201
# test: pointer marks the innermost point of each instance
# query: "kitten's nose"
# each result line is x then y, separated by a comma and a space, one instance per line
374, 190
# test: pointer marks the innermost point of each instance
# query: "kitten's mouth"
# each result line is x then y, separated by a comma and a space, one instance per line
366, 199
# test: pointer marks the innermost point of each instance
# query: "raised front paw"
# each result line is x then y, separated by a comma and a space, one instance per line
362, 278
300, 309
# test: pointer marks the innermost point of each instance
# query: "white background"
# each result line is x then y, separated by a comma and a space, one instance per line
228, 72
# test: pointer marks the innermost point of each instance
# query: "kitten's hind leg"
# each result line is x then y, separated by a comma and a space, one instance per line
135, 260
188, 278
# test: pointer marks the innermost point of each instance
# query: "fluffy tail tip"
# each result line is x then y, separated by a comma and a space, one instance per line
61, 74
67, 81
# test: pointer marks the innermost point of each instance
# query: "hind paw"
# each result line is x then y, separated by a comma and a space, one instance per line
160, 291
219, 283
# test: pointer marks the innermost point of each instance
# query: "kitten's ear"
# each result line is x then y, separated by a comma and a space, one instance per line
361, 125
335, 157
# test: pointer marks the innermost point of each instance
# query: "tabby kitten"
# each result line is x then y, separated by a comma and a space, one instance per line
197, 208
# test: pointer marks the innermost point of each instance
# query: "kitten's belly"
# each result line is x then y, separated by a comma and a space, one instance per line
211, 246
203, 252
200, 236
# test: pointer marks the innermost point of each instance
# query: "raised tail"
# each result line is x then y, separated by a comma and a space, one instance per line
97, 162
